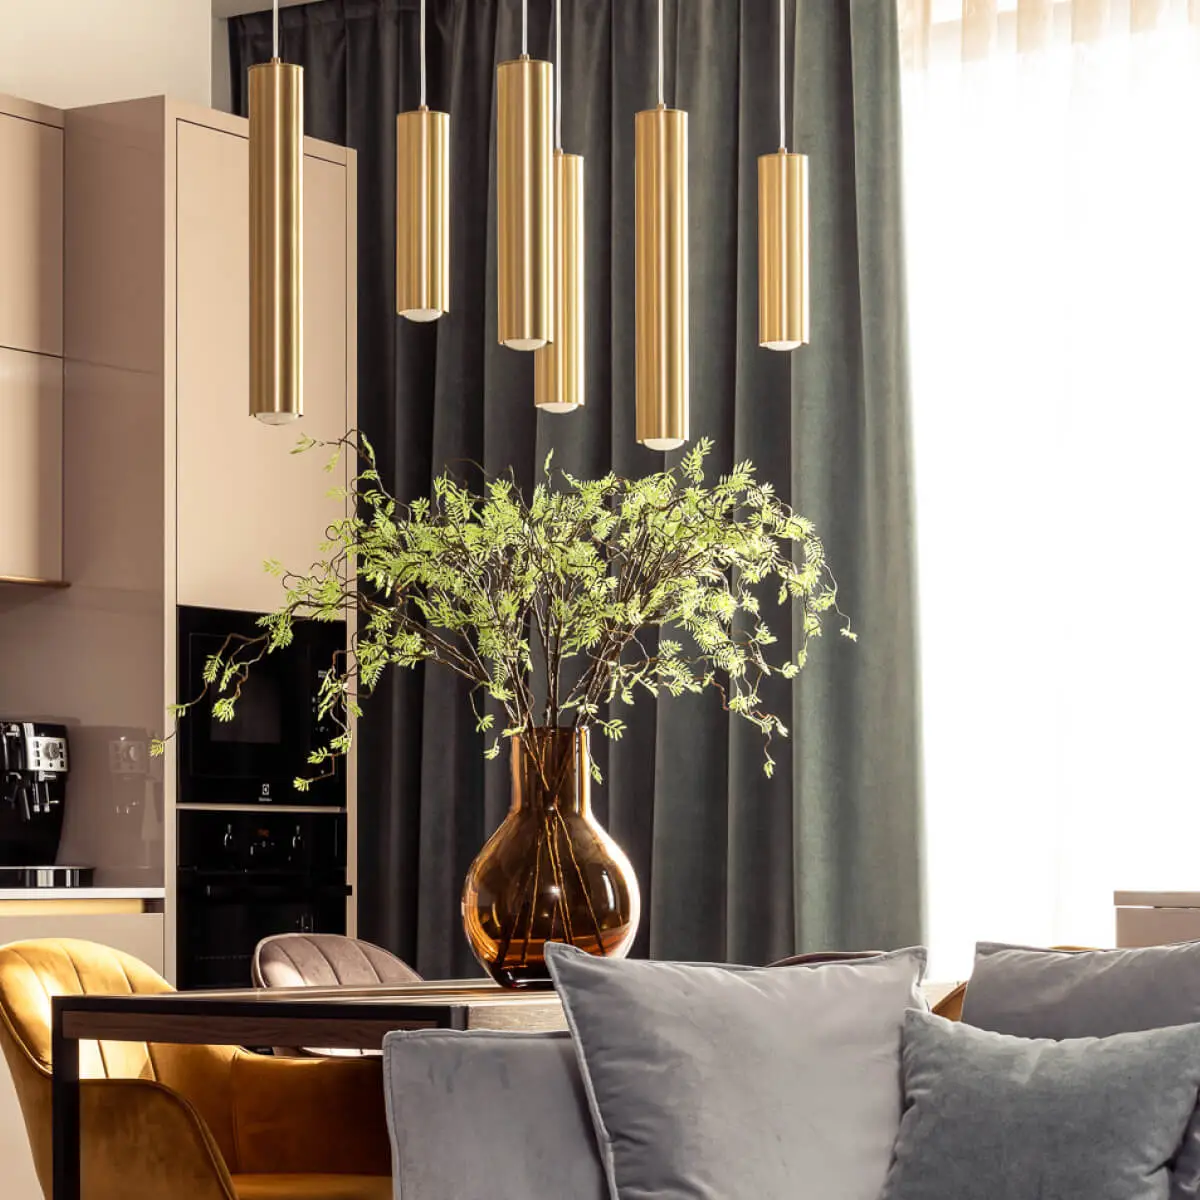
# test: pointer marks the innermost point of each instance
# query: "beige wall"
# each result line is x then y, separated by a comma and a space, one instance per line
71, 52
222, 84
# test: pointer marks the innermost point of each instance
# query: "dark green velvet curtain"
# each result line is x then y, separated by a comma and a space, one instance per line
732, 865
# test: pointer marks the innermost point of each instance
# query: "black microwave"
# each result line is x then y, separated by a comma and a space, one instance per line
254, 758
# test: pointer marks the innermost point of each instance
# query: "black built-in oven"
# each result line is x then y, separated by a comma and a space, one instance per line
244, 876
254, 758
255, 857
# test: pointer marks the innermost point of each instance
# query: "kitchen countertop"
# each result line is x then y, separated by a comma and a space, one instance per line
84, 893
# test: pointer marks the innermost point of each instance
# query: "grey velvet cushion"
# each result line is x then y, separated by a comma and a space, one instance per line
488, 1116
991, 1117
1091, 993
739, 1083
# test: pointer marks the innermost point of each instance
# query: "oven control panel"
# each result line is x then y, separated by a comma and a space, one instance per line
254, 842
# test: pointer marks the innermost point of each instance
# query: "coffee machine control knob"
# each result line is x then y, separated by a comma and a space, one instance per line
48, 753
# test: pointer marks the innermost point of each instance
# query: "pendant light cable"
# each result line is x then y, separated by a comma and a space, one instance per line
275, 29
558, 73
782, 82
524, 28
423, 105
661, 102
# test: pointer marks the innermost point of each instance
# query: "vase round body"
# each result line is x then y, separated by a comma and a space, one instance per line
550, 873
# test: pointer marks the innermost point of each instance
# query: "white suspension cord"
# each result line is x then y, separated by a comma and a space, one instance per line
558, 73
275, 29
782, 83
423, 54
524, 28
660, 54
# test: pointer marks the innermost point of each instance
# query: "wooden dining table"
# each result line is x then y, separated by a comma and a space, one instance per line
338, 1018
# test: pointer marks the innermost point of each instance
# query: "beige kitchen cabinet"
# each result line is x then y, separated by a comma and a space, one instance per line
31, 227
31, 341
173, 493
244, 497
31, 483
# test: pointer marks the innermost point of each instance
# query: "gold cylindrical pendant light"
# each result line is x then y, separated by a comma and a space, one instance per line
276, 239
782, 235
422, 208
661, 269
782, 250
525, 200
558, 368
558, 376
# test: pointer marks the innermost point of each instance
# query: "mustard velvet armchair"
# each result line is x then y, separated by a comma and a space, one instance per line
188, 1122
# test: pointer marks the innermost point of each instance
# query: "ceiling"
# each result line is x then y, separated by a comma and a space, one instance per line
235, 8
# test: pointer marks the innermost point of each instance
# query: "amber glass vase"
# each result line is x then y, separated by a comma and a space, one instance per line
549, 873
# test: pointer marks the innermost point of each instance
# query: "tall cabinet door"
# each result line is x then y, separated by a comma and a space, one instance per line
31, 508
243, 496
31, 235
31, 335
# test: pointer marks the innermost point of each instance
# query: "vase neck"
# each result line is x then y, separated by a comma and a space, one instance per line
551, 768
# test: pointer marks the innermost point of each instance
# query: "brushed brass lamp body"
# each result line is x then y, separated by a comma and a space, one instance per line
783, 304
661, 266
558, 372
276, 242
422, 214
525, 203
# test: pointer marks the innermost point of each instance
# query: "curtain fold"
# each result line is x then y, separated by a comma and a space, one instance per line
732, 865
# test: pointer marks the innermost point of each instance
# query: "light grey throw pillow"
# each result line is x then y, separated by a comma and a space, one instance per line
488, 1116
741, 1083
991, 1117
1091, 993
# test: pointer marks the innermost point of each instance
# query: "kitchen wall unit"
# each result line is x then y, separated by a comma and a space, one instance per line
31, 483
31, 340
31, 217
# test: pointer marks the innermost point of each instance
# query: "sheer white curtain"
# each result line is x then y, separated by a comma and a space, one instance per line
1053, 206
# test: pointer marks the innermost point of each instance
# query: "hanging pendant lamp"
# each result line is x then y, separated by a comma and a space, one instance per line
422, 208
782, 235
661, 267
525, 199
558, 369
276, 238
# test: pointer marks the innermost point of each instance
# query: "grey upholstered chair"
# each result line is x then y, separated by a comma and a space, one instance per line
291, 960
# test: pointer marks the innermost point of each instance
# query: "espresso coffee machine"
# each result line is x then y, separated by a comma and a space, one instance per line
33, 790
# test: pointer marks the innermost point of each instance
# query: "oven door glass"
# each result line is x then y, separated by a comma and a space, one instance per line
254, 758
221, 923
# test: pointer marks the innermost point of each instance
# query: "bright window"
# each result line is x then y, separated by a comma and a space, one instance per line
1053, 207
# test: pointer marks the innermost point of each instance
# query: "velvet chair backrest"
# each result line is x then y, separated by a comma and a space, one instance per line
34, 971
326, 960
290, 960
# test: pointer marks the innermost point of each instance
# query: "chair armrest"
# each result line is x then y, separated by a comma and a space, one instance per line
310, 1115
950, 1005
142, 1139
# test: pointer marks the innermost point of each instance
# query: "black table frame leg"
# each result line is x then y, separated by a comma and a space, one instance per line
64, 1058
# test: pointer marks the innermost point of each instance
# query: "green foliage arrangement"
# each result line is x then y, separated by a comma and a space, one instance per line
540, 601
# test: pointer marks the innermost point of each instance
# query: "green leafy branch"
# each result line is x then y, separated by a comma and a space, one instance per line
540, 602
